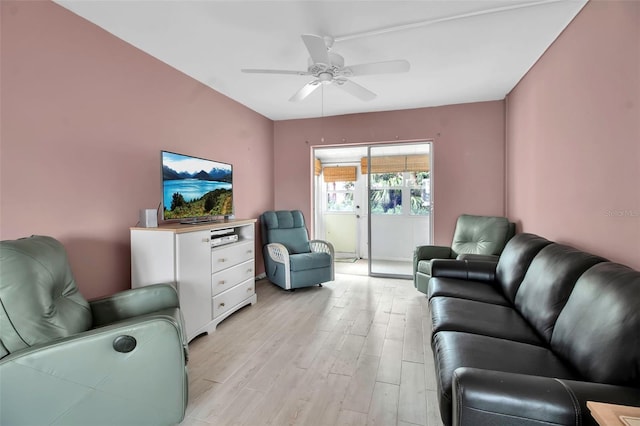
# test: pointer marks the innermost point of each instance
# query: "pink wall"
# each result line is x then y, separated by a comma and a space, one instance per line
468, 155
573, 136
84, 117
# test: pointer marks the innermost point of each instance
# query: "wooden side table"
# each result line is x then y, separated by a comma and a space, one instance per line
609, 414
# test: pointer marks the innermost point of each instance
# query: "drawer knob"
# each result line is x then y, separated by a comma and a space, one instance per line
250, 289
221, 305
222, 259
250, 270
249, 251
222, 282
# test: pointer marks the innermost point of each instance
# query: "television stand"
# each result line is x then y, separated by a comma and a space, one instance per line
211, 264
200, 221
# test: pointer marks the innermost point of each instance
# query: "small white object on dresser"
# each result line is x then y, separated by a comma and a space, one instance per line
212, 266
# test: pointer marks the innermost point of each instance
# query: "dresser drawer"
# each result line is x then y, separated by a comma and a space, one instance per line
224, 280
231, 254
230, 298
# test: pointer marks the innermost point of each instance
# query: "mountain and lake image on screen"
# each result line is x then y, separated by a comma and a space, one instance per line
195, 188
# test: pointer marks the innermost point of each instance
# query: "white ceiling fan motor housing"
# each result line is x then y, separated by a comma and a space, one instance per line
326, 72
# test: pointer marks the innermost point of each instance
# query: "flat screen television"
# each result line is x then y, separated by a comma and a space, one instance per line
195, 190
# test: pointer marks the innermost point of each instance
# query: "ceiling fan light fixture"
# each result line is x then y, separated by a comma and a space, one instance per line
325, 77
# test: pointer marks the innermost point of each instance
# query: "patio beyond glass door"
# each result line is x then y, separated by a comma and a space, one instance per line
399, 205
340, 225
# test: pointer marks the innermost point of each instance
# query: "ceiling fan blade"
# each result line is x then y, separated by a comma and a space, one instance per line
317, 48
261, 71
306, 90
355, 89
386, 67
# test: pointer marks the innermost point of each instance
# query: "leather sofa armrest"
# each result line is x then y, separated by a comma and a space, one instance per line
486, 397
482, 257
428, 253
132, 303
464, 269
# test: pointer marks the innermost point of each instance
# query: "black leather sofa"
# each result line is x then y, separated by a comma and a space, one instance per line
530, 339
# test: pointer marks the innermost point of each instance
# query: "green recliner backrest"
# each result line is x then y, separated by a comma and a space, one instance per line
481, 235
39, 299
287, 228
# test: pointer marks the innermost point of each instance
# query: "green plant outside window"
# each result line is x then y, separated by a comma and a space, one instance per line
340, 196
386, 194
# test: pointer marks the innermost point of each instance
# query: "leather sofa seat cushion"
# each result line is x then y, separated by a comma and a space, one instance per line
453, 349
452, 314
599, 328
464, 289
40, 301
515, 260
548, 284
306, 261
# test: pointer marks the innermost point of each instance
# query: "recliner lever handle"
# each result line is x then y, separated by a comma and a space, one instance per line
124, 344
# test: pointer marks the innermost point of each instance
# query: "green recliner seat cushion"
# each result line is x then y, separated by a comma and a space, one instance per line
40, 301
305, 261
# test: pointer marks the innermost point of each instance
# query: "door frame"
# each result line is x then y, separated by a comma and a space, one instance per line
363, 223
406, 196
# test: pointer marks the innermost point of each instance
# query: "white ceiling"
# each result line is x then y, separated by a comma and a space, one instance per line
460, 50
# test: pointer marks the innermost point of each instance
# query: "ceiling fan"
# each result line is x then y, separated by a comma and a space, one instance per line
328, 68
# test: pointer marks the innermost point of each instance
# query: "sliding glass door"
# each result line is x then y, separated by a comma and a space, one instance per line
399, 205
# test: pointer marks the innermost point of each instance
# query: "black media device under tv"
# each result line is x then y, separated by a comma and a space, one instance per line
195, 190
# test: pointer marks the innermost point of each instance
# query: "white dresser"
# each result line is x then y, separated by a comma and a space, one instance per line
212, 266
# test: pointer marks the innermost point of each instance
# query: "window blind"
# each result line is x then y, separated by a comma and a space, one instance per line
339, 174
396, 163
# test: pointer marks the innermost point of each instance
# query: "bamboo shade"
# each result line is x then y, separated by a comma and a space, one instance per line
387, 164
339, 174
417, 163
317, 167
396, 163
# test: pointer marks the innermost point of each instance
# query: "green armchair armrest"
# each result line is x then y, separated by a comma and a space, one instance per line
84, 374
131, 303
139, 301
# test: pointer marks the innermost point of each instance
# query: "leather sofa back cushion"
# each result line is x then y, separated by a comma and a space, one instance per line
40, 299
287, 228
480, 234
515, 260
598, 331
548, 283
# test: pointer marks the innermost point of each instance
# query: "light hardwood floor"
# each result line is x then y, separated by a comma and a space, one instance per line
353, 352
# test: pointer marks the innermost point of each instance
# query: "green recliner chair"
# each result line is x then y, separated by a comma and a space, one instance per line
475, 238
292, 261
119, 360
